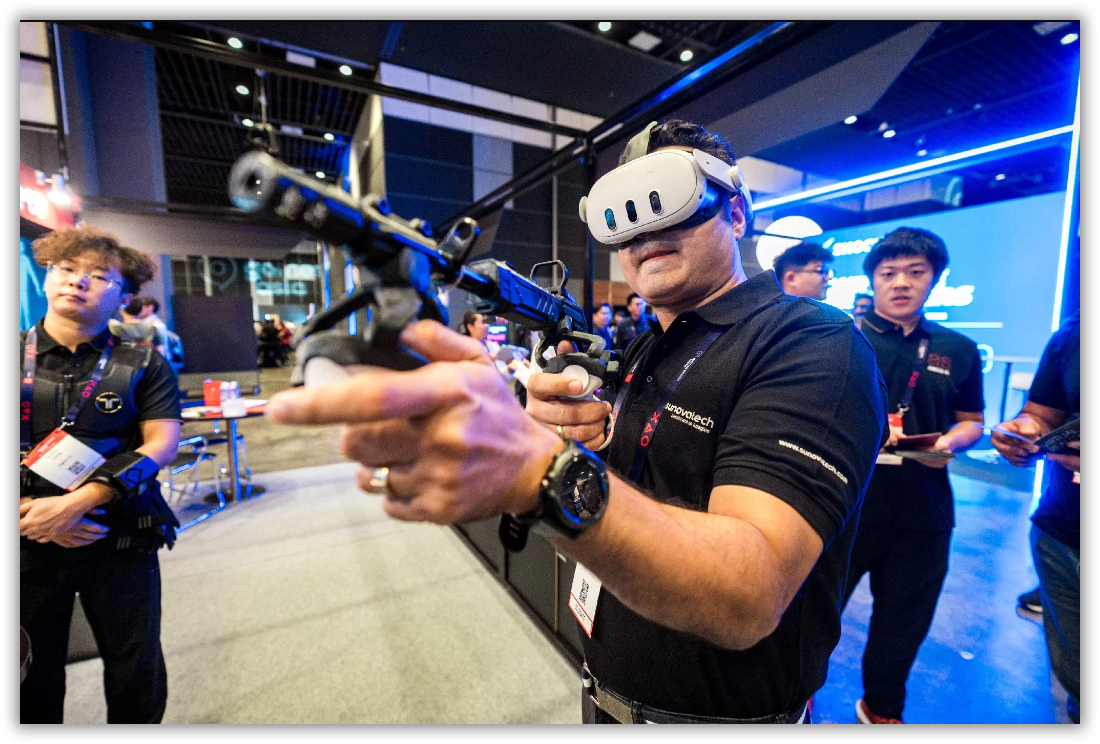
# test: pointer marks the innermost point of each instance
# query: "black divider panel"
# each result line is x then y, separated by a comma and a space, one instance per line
568, 628
531, 574
483, 534
217, 333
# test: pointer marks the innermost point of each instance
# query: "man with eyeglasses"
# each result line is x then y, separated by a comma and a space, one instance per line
804, 270
99, 417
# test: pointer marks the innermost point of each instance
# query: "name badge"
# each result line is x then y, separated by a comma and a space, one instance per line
63, 460
583, 597
886, 458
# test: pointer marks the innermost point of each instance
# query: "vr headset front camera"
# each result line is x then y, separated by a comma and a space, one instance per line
667, 188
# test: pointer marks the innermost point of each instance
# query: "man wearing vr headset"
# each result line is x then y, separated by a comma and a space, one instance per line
713, 555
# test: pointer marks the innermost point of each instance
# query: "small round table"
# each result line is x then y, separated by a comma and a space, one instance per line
209, 414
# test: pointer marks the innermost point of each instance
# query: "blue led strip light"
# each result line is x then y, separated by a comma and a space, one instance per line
910, 169
1067, 214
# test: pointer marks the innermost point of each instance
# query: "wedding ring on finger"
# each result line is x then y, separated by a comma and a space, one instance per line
561, 431
380, 481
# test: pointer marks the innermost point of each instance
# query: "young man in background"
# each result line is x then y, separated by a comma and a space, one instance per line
111, 408
804, 270
934, 377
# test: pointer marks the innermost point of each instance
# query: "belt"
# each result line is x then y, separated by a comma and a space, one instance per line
624, 710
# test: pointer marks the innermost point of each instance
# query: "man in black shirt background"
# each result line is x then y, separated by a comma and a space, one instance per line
89, 539
634, 326
904, 535
1054, 400
723, 559
804, 270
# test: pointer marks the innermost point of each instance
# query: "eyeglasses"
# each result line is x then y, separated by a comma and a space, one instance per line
823, 271
65, 273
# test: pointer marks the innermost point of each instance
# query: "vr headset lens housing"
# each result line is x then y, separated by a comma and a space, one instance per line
667, 188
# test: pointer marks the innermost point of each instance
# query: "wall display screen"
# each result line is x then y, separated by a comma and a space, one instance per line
998, 288
498, 333
32, 292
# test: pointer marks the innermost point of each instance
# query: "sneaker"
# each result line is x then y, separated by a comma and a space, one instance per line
1029, 606
864, 714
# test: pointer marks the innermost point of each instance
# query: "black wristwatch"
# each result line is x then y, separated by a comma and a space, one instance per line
572, 498
573, 494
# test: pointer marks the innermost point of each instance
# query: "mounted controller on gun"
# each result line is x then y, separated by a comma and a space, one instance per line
402, 272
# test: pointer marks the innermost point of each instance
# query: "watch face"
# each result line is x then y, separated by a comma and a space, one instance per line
582, 489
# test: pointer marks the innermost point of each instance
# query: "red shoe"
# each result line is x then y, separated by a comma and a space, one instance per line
864, 714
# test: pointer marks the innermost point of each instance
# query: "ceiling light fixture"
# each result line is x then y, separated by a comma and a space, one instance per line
345, 70
248, 122
999, 177
243, 90
686, 55
851, 120
320, 174
888, 134
604, 26
921, 153
235, 42
330, 136
1069, 39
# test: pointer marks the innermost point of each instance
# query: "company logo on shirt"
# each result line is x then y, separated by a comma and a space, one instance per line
939, 363
696, 421
108, 403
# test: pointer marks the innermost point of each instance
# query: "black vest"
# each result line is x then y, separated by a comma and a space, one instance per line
107, 433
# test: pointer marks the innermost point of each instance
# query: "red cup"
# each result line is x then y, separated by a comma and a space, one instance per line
212, 393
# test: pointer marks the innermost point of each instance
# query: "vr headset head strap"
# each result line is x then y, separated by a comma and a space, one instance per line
639, 143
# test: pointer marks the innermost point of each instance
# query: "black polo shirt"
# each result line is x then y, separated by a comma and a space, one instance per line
156, 395
1057, 385
787, 400
914, 496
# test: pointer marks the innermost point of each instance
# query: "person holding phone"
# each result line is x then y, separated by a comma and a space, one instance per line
1054, 400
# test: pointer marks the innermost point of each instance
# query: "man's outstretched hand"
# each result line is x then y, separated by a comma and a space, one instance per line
458, 445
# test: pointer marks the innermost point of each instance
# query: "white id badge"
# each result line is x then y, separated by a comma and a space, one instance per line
63, 460
583, 597
885, 458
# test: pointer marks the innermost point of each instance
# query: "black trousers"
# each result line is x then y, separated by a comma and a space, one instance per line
907, 570
120, 593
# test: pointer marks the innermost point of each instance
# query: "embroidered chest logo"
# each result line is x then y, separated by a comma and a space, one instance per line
108, 403
696, 421
939, 363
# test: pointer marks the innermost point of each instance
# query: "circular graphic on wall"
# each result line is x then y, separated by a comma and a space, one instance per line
781, 235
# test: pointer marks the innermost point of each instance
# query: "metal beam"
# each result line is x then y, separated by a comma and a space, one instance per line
240, 58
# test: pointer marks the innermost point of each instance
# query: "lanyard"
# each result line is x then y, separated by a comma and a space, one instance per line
907, 399
655, 418
26, 391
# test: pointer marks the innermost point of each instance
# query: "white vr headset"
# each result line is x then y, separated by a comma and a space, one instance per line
667, 188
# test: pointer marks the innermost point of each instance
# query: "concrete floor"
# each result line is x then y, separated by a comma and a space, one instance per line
309, 605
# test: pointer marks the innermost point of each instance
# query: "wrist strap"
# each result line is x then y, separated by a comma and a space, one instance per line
125, 473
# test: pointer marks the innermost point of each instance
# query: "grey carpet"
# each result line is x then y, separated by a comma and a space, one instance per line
309, 605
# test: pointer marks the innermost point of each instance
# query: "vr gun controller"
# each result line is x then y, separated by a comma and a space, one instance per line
402, 271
